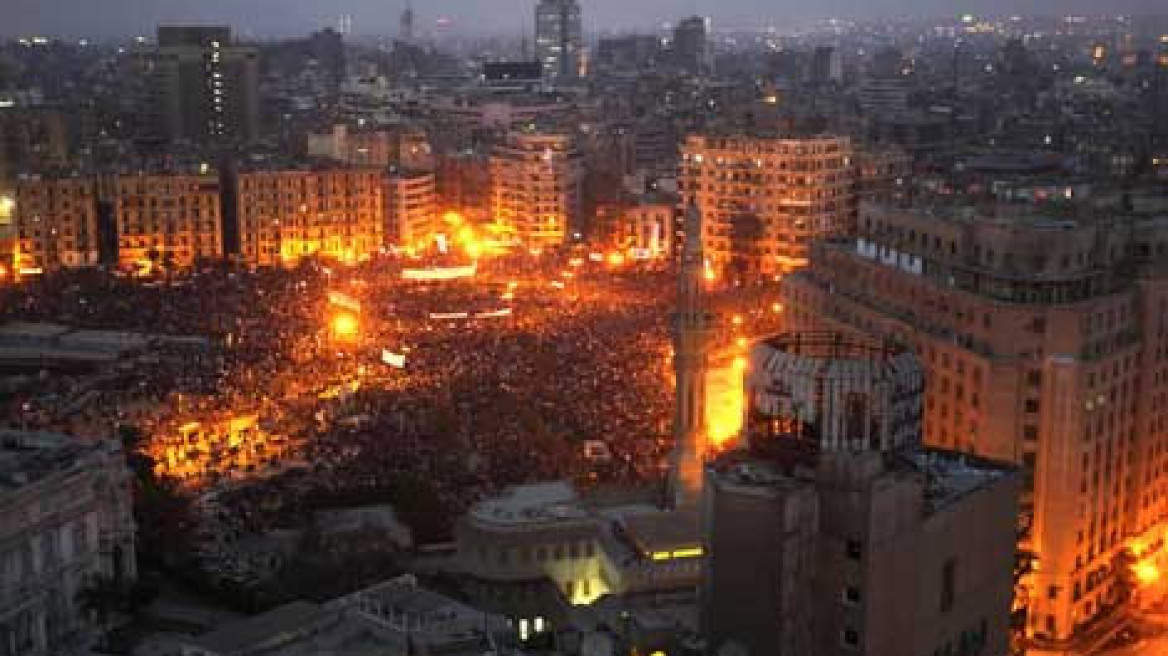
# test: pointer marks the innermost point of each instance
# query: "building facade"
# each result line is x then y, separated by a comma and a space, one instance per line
411, 209
55, 224
1044, 343
536, 187
559, 38
833, 532
167, 220
691, 45
765, 198
287, 215
65, 524
202, 86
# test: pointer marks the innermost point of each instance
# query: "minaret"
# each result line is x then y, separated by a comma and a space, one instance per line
691, 338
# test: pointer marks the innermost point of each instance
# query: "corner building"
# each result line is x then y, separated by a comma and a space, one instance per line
833, 532
1045, 344
55, 221
537, 187
766, 197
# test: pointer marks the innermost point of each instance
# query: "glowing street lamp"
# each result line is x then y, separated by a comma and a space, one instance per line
345, 327
1147, 573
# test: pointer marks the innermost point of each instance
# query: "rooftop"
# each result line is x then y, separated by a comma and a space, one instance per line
534, 503
27, 458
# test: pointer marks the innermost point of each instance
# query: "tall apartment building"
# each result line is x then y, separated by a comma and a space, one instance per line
536, 187
32, 140
411, 209
55, 223
765, 198
65, 524
1045, 345
834, 532
168, 220
201, 86
559, 38
691, 45
289, 214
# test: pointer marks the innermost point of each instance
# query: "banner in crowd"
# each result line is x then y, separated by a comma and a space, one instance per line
393, 359
341, 299
440, 273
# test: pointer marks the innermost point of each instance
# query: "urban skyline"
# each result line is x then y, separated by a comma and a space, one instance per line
685, 339
263, 19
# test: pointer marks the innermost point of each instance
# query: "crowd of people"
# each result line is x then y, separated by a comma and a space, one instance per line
562, 353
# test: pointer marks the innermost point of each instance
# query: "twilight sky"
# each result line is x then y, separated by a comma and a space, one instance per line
101, 18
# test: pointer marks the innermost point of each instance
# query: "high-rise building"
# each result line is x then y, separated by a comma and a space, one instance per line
202, 86
764, 198
55, 223
691, 45
32, 140
67, 526
406, 26
536, 184
833, 532
411, 214
168, 220
827, 66
559, 38
286, 215
692, 326
635, 52
1042, 335
1160, 104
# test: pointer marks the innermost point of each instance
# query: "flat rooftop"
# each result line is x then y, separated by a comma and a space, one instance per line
535, 503
28, 457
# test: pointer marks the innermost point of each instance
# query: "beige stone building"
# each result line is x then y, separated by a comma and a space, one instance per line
54, 223
170, 220
286, 215
65, 523
411, 209
1044, 341
536, 187
766, 197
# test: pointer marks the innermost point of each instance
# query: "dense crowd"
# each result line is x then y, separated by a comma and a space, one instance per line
567, 353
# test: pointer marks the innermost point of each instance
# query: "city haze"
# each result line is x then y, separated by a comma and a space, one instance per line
114, 18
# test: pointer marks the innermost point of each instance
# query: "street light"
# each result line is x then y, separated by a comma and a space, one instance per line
345, 327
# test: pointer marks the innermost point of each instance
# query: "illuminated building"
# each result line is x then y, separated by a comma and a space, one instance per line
536, 187
55, 223
66, 505
538, 549
643, 228
201, 85
167, 220
765, 198
559, 39
286, 215
411, 209
691, 345
833, 532
1043, 339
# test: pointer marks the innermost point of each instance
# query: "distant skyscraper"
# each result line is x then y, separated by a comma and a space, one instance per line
559, 39
202, 86
406, 33
691, 45
827, 66
691, 343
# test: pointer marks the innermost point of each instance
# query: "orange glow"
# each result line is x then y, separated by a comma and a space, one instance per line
777, 308
740, 342
345, 326
1147, 573
711, 275
453, 218
738, 320
616, 259
724, 403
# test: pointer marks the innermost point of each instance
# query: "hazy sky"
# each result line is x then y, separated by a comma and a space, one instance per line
282, 17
